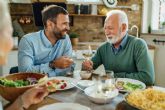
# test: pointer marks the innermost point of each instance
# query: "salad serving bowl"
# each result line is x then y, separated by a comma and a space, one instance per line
10, 91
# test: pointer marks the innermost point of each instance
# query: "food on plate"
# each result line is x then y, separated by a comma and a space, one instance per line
131, 87
51, 86
121, 85
149, 99
56, 84
18, 83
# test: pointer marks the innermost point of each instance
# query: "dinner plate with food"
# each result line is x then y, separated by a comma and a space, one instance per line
148, 99
129, 85
60, 83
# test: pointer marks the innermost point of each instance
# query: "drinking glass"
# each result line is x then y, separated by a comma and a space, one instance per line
110, 77
69, 72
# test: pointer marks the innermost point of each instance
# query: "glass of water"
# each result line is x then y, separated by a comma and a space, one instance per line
110, 76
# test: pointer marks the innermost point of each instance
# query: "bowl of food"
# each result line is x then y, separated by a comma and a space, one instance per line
13, 85
129, 85
103, 96
148, 99
85, 74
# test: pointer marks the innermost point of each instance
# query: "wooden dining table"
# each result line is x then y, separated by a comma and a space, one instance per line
114, 105
75, 95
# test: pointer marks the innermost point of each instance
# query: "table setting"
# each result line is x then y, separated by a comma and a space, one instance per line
96, 92
86, 90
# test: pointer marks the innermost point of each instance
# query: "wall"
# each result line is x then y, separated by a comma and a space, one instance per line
11, 62
159, 62
18, 10
89, 28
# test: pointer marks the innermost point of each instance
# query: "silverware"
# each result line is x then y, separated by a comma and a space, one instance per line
77, 86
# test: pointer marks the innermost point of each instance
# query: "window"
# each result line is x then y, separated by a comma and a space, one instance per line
162, 14
157, 14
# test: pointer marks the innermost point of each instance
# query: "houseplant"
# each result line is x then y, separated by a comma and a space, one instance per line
163, 25
74, 38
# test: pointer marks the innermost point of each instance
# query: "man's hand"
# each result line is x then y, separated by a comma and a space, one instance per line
62, 62
87, 65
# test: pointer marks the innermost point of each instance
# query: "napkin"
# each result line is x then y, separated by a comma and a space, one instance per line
100, 70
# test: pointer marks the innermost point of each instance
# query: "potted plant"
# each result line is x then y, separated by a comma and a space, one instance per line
74, 38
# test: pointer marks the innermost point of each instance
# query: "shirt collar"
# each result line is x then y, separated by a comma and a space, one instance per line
45, 40
124, 41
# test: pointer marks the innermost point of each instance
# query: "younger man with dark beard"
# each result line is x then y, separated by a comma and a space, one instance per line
49, 50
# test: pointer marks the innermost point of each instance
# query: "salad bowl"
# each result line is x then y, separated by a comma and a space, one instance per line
13, 85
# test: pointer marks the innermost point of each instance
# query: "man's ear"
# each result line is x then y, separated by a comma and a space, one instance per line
48, 24
124, 27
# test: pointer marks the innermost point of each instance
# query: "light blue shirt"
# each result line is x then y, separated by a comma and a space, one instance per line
36, 51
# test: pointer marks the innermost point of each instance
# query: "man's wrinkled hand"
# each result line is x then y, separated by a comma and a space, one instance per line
87, 65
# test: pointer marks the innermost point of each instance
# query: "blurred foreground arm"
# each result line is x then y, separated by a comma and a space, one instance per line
31, 96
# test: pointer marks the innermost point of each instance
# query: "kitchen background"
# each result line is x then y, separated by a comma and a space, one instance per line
89, 26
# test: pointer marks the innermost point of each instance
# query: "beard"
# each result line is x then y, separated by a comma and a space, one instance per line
113, 39
59, 34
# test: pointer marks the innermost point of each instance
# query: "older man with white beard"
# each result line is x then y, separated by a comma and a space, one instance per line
126, 55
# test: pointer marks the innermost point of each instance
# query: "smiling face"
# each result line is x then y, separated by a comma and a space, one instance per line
114, 30
61, 26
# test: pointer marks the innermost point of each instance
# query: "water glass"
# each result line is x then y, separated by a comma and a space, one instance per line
110, 76
69, 72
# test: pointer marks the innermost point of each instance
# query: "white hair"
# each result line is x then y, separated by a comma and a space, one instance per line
4, 13
122, 16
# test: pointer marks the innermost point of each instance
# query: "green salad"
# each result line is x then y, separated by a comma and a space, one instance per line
131, 87
17, 83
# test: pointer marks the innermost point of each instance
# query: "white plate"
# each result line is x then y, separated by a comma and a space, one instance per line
68, 81
159, 88
64, 106
85, 83
133, 81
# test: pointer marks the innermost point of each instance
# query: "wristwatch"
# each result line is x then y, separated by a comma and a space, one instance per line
51, 64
